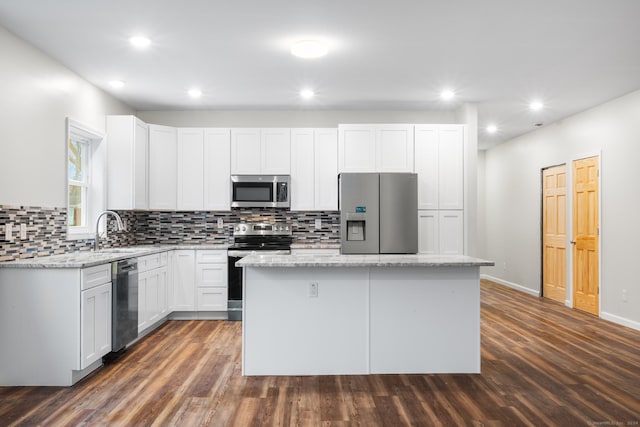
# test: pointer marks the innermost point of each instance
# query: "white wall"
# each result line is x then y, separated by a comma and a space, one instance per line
38, 93
291, 118
512, 200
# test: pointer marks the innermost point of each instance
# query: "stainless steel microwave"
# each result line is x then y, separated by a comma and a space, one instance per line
260, 191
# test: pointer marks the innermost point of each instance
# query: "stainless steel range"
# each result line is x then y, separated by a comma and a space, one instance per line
255, 238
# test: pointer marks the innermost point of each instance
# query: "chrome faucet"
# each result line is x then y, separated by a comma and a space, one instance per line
119, 226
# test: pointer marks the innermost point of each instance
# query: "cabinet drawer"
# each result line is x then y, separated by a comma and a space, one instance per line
211, 257
208, 275
212, 299
149, 262
94, 276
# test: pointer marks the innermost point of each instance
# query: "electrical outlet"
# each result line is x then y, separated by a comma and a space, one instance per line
220, 223
504, 266
23, 231
313, 289
318, 224
8, 229
625, 297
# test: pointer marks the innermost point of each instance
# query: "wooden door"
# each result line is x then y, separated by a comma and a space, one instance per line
585, 235
554, 233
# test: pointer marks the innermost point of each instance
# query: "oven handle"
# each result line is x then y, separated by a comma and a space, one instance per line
242, 254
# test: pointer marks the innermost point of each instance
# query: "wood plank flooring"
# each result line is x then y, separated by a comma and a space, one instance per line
542, 364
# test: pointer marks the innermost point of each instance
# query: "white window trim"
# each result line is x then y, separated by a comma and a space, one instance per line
96, 191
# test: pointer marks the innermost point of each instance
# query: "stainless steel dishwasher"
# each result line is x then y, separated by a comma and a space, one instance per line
124, 320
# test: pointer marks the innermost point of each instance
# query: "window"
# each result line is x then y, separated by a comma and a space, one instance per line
85, 180
79, 180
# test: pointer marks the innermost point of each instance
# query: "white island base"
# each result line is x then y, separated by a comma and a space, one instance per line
364, 320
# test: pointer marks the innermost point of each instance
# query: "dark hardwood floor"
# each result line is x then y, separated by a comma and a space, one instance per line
542, 365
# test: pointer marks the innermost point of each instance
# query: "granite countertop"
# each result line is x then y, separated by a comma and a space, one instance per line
84, 259
404, 260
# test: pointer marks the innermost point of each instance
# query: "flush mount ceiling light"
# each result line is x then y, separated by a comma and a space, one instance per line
309, 49
116, 84
195, 93
492, 128
307, 93
447, 94
139, 41
536, 106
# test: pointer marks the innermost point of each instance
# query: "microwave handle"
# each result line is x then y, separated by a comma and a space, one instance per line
281, 192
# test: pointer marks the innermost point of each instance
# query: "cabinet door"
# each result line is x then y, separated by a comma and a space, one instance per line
302, 170
143, 316
428, 236
326, 169
140, 165
451, 171
184, 281
190, 169
275, 151
394, 148
357, 148
451, 229
217, 163
152, 297
245, 151
162, 167
427, 165
95, 327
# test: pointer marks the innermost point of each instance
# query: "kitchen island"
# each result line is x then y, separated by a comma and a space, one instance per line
361, 314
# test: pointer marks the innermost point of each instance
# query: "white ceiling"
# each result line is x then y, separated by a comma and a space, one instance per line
499, 54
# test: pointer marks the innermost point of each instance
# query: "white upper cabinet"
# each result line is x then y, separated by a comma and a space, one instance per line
217, 152
314, 169
439, 163
245, 151
260, 151
394, 148
426, 161
451, 174
357, 148
326, 169
190, 169
302, 170
162, 167
376, 148
127, 157
275, 151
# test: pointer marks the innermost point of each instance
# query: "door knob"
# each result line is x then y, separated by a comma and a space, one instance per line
573, 242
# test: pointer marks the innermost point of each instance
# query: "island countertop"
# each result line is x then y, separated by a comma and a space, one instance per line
377, 260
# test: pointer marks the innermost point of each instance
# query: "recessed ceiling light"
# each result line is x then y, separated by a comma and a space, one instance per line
447, 94
536, 106
492, 128
307, 93
139, 41
195, 93
309, 49
116, 84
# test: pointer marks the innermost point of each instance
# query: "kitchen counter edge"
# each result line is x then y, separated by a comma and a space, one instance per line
404, 260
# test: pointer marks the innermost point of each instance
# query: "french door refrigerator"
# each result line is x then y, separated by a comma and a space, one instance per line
378, 213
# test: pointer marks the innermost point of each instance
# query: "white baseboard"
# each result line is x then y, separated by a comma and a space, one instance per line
621, 320
511, 285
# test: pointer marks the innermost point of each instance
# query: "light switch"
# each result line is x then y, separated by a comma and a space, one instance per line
23, 231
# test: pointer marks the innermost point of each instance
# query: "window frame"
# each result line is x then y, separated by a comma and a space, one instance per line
94, 176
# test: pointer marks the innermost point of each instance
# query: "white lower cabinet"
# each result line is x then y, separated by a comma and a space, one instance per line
152, 289
95, 324
199, 280
441, 232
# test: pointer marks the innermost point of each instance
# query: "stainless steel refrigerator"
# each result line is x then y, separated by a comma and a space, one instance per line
378, 213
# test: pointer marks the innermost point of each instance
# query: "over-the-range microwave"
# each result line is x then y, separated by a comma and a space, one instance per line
260, 191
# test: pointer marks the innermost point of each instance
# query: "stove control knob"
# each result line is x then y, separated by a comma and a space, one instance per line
243, 228
286, 228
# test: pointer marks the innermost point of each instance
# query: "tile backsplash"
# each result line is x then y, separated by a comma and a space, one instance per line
46, 229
